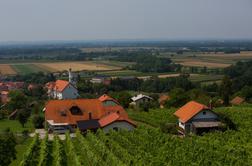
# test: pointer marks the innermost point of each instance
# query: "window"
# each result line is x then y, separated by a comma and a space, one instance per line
204, 112
75, 110
118, 112
116, 128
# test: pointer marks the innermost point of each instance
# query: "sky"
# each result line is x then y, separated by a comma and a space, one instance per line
42, 20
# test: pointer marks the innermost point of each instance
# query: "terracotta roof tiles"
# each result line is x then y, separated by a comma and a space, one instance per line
189, 110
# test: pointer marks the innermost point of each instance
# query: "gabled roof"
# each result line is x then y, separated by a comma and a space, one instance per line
108, 119
237, 100
189, 110
59, 85
140, 96
105, 97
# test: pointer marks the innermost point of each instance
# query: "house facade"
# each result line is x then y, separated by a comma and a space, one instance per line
61, 89
139, 99
196, 118
87, 114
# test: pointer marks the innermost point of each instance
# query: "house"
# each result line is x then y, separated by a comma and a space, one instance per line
162, 99
237, 100
62, 89
196, 118
137, 100
87, 114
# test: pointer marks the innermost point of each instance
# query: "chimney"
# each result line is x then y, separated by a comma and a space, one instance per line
90, 115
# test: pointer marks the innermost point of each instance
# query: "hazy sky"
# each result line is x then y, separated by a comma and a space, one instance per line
28, 20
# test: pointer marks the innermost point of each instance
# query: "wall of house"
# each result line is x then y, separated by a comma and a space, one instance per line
182, 125
142, 100
209, 115
69, 93
118, 125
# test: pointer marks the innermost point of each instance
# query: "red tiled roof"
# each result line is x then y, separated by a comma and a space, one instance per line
163, 98
189, 110
55, 108
108, 119
59, 85
105, 97
104, 121
237, 100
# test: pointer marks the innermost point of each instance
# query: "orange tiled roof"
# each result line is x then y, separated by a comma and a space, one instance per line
59, 85
108, 119
189, 110
55, 108
237, 100
163, 98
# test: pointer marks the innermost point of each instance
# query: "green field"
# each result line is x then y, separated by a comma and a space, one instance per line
27, 68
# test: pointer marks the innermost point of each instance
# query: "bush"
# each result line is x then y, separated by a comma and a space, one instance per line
169, 128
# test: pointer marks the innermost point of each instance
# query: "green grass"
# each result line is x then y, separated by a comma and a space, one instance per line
205, 78
14, 126
26, 68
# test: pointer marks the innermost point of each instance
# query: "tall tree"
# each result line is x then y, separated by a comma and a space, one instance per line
226, 89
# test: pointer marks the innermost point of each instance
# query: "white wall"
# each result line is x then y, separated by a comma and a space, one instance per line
120, 125
182, 125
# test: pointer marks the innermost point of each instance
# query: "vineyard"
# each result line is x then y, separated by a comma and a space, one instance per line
148, 146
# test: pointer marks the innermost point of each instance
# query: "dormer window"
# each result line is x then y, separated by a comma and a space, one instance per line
75, 110
204, 113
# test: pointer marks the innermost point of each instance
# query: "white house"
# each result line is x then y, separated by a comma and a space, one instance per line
62, 89
196, 118
137, 100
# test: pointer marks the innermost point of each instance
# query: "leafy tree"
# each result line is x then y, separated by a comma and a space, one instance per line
23, 116
18, 100
122, 97
226, 89
178, 98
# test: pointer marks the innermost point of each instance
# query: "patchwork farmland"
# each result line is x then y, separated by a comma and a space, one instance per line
27, 68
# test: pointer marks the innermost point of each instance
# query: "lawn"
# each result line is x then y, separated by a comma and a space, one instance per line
14, 126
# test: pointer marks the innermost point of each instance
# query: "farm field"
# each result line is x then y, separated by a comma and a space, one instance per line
211, 60
6, 69
27, 68
33, 67
149, 145
77, 66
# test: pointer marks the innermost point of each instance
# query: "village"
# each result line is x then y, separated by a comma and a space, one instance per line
65, 111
